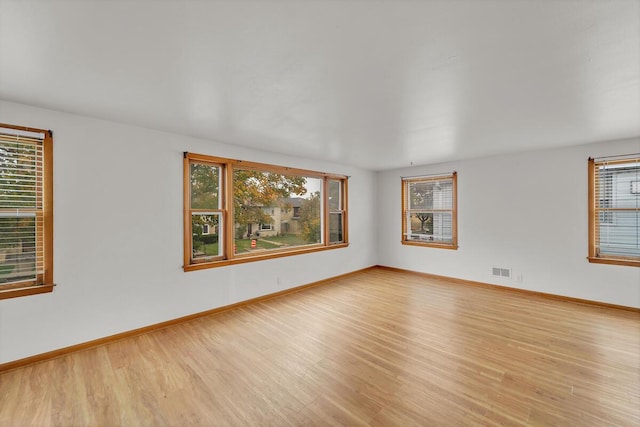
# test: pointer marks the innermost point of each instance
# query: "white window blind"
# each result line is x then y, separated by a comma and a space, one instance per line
22, 257
616, 207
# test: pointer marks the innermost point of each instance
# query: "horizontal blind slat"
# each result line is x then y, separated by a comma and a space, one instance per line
617, 207
21, 201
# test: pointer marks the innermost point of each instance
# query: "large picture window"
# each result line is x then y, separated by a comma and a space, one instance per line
429, 214
26, 211
614, 210
242, 211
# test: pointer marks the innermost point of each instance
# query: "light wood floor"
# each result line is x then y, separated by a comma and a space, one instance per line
377, 348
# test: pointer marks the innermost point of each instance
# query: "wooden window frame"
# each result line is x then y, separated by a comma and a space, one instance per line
594, 215
343, 210
226, 233
454, 211
44, 283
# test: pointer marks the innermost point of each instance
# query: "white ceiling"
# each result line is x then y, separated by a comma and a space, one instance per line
376, 84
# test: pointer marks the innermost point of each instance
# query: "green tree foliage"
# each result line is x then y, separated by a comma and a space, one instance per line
17, 175
17, 189
205, 244
205, 183
310, 219
254, 190
198, 222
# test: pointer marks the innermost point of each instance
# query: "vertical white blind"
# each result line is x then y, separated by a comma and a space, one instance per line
21, 207
617, 207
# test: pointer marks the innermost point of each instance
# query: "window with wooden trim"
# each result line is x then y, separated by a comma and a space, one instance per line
429, 211
614, 210
254, 211
337, 213
26, 211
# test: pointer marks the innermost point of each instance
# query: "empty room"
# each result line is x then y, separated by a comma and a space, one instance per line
308, 213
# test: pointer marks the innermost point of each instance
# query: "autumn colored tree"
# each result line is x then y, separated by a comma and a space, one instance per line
310, 219
254, 190
205, 183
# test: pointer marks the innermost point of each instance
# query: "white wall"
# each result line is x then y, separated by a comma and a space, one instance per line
524, 211
118, 236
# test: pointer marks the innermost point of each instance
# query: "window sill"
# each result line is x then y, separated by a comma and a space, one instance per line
430, 244
630, 262
27, 290
241, 259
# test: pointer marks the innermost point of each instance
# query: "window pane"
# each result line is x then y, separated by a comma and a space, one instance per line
205, 241
335, 198
622, 235
17, 249
205, 186
20, 164
335, 227
291, 205
443, 195
442, 227
430, 226
420, 226
616, 186
421, 195
430, 195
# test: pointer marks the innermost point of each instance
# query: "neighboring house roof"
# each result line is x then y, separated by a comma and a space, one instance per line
294, 202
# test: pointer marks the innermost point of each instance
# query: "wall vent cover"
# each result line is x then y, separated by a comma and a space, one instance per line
501, 272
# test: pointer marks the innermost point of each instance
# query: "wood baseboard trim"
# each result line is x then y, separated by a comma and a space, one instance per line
20, 363
510, 289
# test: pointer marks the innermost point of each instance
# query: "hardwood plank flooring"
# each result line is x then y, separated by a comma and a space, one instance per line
379, 348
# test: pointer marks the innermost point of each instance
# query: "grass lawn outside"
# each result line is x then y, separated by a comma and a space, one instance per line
271, 242
244, 245
288, 239
208, 249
